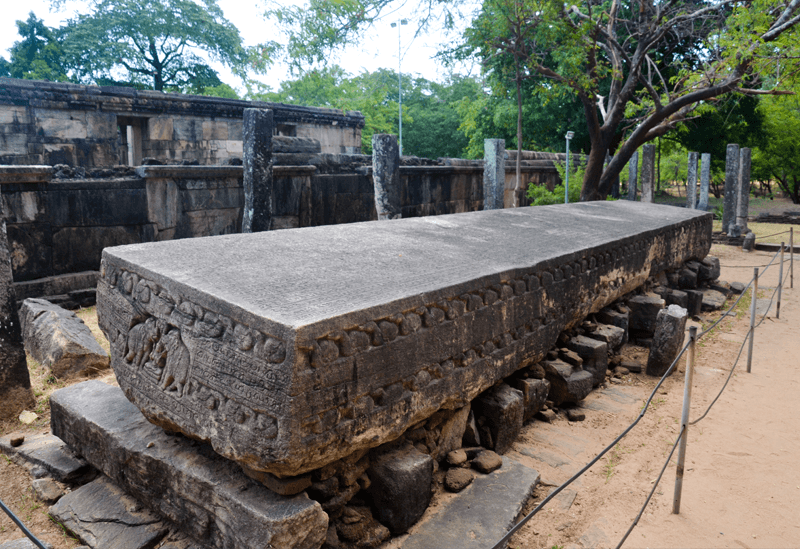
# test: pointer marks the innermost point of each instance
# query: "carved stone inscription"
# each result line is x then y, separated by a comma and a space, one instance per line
290, 394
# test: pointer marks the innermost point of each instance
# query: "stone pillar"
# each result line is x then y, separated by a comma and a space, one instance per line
257, 132
731, 183
705, 181
691, 182
648, 173
386, 176
633, 175
15, 381
615, 183
743, 200
494, 173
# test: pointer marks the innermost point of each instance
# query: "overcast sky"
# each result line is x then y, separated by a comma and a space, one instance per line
378, 50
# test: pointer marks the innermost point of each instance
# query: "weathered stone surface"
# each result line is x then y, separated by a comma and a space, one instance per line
401, 487
687, 279
49, 453
594, 354
456, 457
360, 528
691, 181
501, 408
612, 316
667, 340
633, 174
46, 490
648, 173
743, 188
258, 177
612, 336
283, 486
23, 543
207, 495
494, 173
709, 269
487, 461
731, 183
738, 287
713, 300
644, 310
457, 479
576, 414
677, 297
705, 180
386, 176
749, 242
534, 394
258, 356
59, 339
15, 381
103, 516
567, 383
451, 433
481, 514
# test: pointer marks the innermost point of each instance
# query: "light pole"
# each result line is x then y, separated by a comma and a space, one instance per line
569, 136
400, 83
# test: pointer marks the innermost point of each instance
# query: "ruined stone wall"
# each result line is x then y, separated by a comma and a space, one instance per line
47, 123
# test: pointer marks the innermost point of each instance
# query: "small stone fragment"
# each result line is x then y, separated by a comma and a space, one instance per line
575, 414
28, 417
16, 440
25, 543
621, 371
534, 394
283, 486
737, 287
694, 302
632, 367
713, 300
548, 416
487, 461
594, 354
567, 383
46, 490
359, 527
457, 479
456, 457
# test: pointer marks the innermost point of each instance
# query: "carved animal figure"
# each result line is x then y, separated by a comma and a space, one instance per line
177, 362
140, 341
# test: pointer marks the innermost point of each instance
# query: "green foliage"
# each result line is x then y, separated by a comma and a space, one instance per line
778, 155
37, 56
541, 196
162, 44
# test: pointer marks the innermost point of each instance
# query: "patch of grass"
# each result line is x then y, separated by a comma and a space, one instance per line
612, 461
766, 230
89, 317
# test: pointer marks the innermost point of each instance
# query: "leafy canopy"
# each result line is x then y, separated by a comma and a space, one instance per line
37, 56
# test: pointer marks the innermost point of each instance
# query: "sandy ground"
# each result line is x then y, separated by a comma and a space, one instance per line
742, 484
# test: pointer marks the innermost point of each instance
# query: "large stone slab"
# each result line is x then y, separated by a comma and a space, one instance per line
481, 514
206, 495
287, 350
49, 454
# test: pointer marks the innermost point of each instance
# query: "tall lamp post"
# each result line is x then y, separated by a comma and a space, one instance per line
400, 83
569, 136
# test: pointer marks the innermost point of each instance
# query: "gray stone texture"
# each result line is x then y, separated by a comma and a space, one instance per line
614, 317
713, 300
494, 173
206, 495
46, 490
743, 188
731, 186
59, 340
594, 354
22, 543
694, 302
705, 181
687, 279
481, 514
633, 175
251, 342
644, 311
15, 382
401, 487
568, 383
50, 454
613, 336
257, 213
103, 516
691, 181
648, 173
667, 341
386, 176
709, 269
500, 410
534, 394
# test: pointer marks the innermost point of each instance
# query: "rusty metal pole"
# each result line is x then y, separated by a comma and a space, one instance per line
752, 319
780, 283
687, 399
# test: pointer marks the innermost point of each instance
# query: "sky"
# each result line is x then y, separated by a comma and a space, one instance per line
378, 50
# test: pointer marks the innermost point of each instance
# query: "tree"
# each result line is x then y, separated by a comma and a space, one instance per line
162, 44
37, 56
779, 152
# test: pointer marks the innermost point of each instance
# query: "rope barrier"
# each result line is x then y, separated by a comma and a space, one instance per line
22, 527
771, 235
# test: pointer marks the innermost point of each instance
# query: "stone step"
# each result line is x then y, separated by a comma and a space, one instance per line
206, 495
47, 455
481, 514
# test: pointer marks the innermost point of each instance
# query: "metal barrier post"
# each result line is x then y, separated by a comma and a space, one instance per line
791, 257
780, 283
687, 398
752, 319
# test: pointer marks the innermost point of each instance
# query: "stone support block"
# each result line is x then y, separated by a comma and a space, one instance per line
568, 384
644, 311
501, 409
667, 340
534, 394
694, 302
15, 382
594, 354
677, 297
386, 176
274, 346
207, 496
613, 336
709, 269
614, 317
687, 279
60, 340
401, 487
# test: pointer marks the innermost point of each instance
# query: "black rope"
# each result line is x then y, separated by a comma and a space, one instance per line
501, 544
22, 527
770, 235
655, 485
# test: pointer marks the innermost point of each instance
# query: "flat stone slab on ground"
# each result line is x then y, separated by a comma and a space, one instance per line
22, 543
206, 495
50, 453
764, 305
288, 350
103, 516
481, 514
